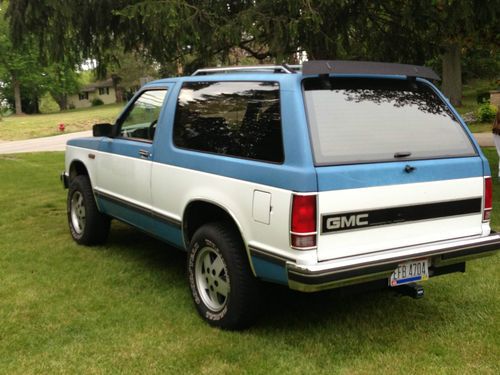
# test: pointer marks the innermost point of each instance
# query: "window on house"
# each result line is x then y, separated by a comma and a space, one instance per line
103, 90
83, 96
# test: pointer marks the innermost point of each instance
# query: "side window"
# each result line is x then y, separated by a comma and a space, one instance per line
239, 119
140, 121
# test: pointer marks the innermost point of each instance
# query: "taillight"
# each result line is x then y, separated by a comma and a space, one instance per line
303, 224
488, 199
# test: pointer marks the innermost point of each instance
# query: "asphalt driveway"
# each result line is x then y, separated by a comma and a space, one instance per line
54, 143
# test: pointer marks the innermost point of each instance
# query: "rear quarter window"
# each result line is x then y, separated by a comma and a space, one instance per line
240, 119
370, 120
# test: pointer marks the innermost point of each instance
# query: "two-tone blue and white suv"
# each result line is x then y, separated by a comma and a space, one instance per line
334, 174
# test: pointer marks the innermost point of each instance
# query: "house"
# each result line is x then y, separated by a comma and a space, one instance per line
104, 90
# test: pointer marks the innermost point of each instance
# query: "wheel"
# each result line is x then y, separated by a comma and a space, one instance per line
224, 290
87, 225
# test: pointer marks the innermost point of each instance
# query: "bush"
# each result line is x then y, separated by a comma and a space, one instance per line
97, 101
486, 112
48, 104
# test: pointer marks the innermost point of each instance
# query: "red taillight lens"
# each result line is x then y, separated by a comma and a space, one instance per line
488, 199
303, 223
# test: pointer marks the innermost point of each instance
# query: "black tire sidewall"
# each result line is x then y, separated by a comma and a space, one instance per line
96, 227
242, 304
76, 186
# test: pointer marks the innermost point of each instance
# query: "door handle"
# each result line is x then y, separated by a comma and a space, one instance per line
144, 153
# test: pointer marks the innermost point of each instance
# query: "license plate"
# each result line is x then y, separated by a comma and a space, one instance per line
410, 272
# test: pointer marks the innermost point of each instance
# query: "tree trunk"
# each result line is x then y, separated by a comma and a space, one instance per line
452, 73
62, 101
17, 96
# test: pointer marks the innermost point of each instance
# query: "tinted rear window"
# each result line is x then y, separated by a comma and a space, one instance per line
369, 120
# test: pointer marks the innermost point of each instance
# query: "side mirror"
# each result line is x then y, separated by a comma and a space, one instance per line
102, 130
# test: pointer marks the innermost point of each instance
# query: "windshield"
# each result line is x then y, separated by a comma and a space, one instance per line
355, 120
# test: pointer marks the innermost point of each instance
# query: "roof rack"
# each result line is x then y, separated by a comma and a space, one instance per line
287, 69
367, 67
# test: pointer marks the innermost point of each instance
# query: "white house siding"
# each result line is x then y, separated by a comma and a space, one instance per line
106, 98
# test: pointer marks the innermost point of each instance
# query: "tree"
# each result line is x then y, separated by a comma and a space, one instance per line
193, 33
62, 80
463, 25
25, 78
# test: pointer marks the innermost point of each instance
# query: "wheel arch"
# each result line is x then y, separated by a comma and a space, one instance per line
201, 211
77, 168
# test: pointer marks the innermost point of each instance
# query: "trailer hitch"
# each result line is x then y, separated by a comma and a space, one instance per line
411, 290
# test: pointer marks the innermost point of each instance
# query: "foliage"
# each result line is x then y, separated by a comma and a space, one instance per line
486, 112
129, 68
182, 35
62, 80
19, 67
48, 104
96, 101
22, 64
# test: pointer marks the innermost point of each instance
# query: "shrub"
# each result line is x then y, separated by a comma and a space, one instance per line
48, 104
486, 112
96, 102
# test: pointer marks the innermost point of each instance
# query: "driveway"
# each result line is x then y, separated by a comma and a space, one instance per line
54, 143
58, 142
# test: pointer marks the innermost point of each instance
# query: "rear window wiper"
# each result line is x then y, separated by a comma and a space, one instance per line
403, 154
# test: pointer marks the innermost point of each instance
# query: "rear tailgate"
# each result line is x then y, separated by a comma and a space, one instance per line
395, 167
368, 208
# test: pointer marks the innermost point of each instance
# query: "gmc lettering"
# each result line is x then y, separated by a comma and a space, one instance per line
350, 221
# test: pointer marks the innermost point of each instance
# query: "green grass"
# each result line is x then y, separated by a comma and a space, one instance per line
125, 307
35, 126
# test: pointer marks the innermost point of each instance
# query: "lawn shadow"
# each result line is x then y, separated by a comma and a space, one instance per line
137, 246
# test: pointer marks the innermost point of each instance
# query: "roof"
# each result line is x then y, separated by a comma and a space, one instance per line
95, 85
288, 73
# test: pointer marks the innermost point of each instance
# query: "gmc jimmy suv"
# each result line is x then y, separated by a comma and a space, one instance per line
314, 177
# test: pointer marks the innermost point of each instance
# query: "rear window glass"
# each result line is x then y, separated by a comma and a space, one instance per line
368, 120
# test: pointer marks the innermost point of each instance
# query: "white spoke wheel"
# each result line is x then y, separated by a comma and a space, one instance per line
224, 290
87, 225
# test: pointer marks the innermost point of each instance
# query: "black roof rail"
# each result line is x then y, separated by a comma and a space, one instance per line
288, 69
367, 67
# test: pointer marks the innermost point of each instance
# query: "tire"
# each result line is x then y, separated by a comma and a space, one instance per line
86, 224
223, 288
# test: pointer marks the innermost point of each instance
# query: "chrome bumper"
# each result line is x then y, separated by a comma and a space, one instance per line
380, 265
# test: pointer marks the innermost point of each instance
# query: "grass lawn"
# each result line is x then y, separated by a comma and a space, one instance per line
75, 120
125, 307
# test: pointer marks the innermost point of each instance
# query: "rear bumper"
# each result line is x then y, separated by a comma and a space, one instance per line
367, 267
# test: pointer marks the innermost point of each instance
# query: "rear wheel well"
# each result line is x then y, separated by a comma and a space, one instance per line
199, 213
77, 168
